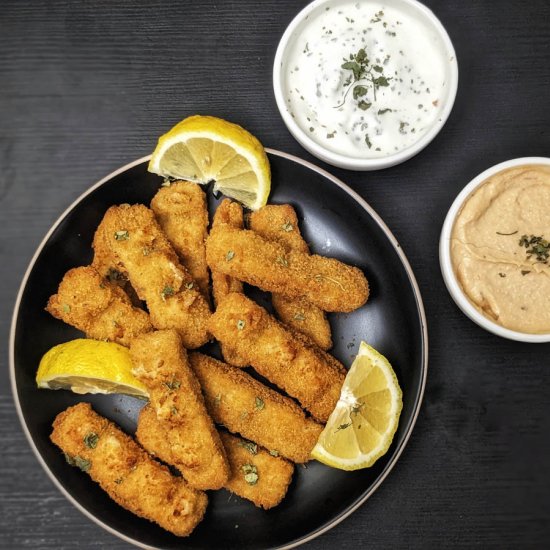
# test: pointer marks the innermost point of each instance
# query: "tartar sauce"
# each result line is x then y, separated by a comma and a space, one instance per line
366, 80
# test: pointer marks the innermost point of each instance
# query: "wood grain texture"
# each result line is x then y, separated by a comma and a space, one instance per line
89, 86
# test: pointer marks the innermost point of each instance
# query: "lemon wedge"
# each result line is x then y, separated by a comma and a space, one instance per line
205, 148
89, 366
361, 427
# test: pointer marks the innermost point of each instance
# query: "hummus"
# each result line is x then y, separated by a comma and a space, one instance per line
500, 246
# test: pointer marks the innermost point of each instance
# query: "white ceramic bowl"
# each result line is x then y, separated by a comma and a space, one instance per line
447, 270
293, 31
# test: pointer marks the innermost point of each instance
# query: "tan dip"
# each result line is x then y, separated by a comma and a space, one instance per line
500, 248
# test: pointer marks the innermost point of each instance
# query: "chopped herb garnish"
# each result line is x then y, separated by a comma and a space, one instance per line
299, 316
539, 247
173, 385
507, 234
252, 448
189, 285
66, 308
90, 440
274, 453
146, 250
250, 473
282, 261
287, 226
114, 275
502, 275
167, 291
343, 426
259, 404
230, 255
383, 111
368, 141
174, 410
82, 463
122, 235
118, 480
218, 399
240, 324
525, 271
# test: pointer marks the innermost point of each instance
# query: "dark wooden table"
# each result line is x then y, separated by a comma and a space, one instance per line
86, 87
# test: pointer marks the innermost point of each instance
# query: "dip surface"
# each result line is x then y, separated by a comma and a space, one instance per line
366, 79
500, 248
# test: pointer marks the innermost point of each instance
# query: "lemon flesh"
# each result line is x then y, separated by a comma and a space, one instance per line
205, 148
89, 366
361, 427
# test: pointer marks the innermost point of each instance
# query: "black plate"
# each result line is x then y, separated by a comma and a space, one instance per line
336, 222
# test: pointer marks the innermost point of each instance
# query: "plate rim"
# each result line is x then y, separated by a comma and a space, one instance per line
423, 329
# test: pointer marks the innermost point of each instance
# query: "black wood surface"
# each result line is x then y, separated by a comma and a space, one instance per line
88, 86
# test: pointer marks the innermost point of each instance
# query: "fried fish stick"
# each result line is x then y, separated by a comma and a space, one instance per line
228, 213
256, 474
326, 282
181, 211
278, 222
173, 298
265, 490
276, 353
126, 472
247, 407
97, 307
161, 363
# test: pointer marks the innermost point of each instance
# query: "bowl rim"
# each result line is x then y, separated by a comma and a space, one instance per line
449, 276
354, 163
423, 367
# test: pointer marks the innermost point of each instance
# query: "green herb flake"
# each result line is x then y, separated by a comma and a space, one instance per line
274, 453
384, 111
174, 410
69, 459
167, 291
82, 463
281, 260
189, 285
173, 385
230, 255
240, 324
118, 480
250, 473
114, 275
525, 272
287, 227
66, 308
122, 235
507, 234
259, 404
252, 448
538, 247
368, 141
90, 440
218, 399
502, 275
299, 316
343, 426
146, 251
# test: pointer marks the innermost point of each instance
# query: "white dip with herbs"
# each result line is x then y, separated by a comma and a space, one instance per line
366, 80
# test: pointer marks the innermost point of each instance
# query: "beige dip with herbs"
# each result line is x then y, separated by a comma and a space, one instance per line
500, 248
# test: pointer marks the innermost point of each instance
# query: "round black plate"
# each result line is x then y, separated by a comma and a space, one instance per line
336, 222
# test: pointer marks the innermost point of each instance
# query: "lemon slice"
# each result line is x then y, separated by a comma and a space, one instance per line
205, 148
361, 427
89, 366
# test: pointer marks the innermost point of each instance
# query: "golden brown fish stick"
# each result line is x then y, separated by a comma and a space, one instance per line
327, 283
247, 407
173, 298
276, 353
255, 474
265, 490
126, 472
181, 211
161, 363
228, 213
97, 307
278, 222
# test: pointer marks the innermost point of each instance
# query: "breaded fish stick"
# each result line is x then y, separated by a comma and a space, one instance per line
256, 474
247, 407
181, 211
327, 283
97, 307
173, 299
270, 476
228, 213
160, 362
274, 352
126, 472
278, 222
